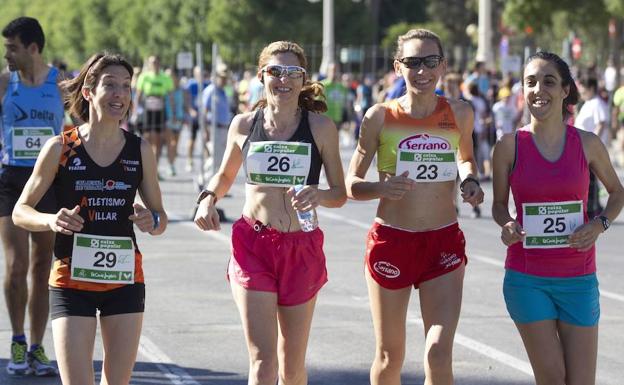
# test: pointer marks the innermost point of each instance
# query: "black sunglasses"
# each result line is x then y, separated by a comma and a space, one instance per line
431, 61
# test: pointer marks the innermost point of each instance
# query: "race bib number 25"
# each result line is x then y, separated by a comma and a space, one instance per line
548, 225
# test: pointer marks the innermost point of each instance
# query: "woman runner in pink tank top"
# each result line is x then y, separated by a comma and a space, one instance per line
550, 287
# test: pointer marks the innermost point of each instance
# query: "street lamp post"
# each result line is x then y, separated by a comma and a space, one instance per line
328, 36
484, 49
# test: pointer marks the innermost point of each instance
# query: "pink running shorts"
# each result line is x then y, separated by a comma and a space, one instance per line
289, 264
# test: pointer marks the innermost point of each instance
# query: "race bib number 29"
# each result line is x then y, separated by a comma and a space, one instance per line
102, 259
548, 225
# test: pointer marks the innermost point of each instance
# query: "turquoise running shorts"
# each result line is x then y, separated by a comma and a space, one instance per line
530, 298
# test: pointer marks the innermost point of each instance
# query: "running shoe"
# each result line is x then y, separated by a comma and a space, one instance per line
18, 366
40, 364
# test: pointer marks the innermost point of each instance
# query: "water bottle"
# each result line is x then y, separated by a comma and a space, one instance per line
307, 220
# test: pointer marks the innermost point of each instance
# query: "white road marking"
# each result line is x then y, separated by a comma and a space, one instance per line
487, 351
174, 373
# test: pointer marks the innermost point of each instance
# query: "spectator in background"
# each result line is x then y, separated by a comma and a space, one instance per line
336, 96
452, 86
593, 117
480, 77
618, 122
153, 88
363, 101
175, 118
222, 115
193, 91
504, 113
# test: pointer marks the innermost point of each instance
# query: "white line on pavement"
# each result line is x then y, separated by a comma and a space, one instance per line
175, 374
487, 351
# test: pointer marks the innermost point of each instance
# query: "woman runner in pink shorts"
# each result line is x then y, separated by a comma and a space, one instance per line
276, 270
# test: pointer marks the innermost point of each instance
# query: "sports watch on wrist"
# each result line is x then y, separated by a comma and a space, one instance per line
204, 193
605, 221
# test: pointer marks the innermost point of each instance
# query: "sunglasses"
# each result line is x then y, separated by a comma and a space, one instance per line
431, 61
278, 71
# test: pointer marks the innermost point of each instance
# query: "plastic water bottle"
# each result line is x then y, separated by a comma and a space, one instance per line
307, 220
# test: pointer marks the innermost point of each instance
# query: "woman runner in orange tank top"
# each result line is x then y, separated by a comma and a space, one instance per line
422, 141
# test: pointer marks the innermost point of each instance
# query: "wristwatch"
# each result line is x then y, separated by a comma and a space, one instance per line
468, 179
204, 193
605, 221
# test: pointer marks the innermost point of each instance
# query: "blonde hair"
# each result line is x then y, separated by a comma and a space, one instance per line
311, 97
420, 34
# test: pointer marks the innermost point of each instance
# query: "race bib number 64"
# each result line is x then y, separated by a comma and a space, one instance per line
28, 141
548, 225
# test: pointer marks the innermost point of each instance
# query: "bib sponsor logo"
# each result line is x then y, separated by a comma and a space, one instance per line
386, 269
424, 142
77, 165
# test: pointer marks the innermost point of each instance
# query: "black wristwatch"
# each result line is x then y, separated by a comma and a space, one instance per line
605, 221
204, 193
468, 179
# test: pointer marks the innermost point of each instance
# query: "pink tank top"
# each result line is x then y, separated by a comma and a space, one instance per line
535, 179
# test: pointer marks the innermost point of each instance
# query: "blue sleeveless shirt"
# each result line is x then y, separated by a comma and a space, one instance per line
30, 116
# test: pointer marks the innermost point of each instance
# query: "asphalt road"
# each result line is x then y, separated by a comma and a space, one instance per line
192, 333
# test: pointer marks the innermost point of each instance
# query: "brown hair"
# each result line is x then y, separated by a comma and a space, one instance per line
311, 97
420, 34
87, 78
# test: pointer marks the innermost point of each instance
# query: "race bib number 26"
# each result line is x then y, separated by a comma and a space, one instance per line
276, 163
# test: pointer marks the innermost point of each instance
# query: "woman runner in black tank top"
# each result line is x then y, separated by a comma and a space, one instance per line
275, 265
96, 170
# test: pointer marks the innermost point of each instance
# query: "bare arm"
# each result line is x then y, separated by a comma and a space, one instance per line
357, 186
502, 163
207, 217
150, 194
326, 137
598, 158
66, 220
467, 166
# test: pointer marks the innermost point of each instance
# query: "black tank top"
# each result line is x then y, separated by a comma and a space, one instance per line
105, 194
302, 134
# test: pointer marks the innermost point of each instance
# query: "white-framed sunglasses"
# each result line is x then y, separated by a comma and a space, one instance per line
278, 71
